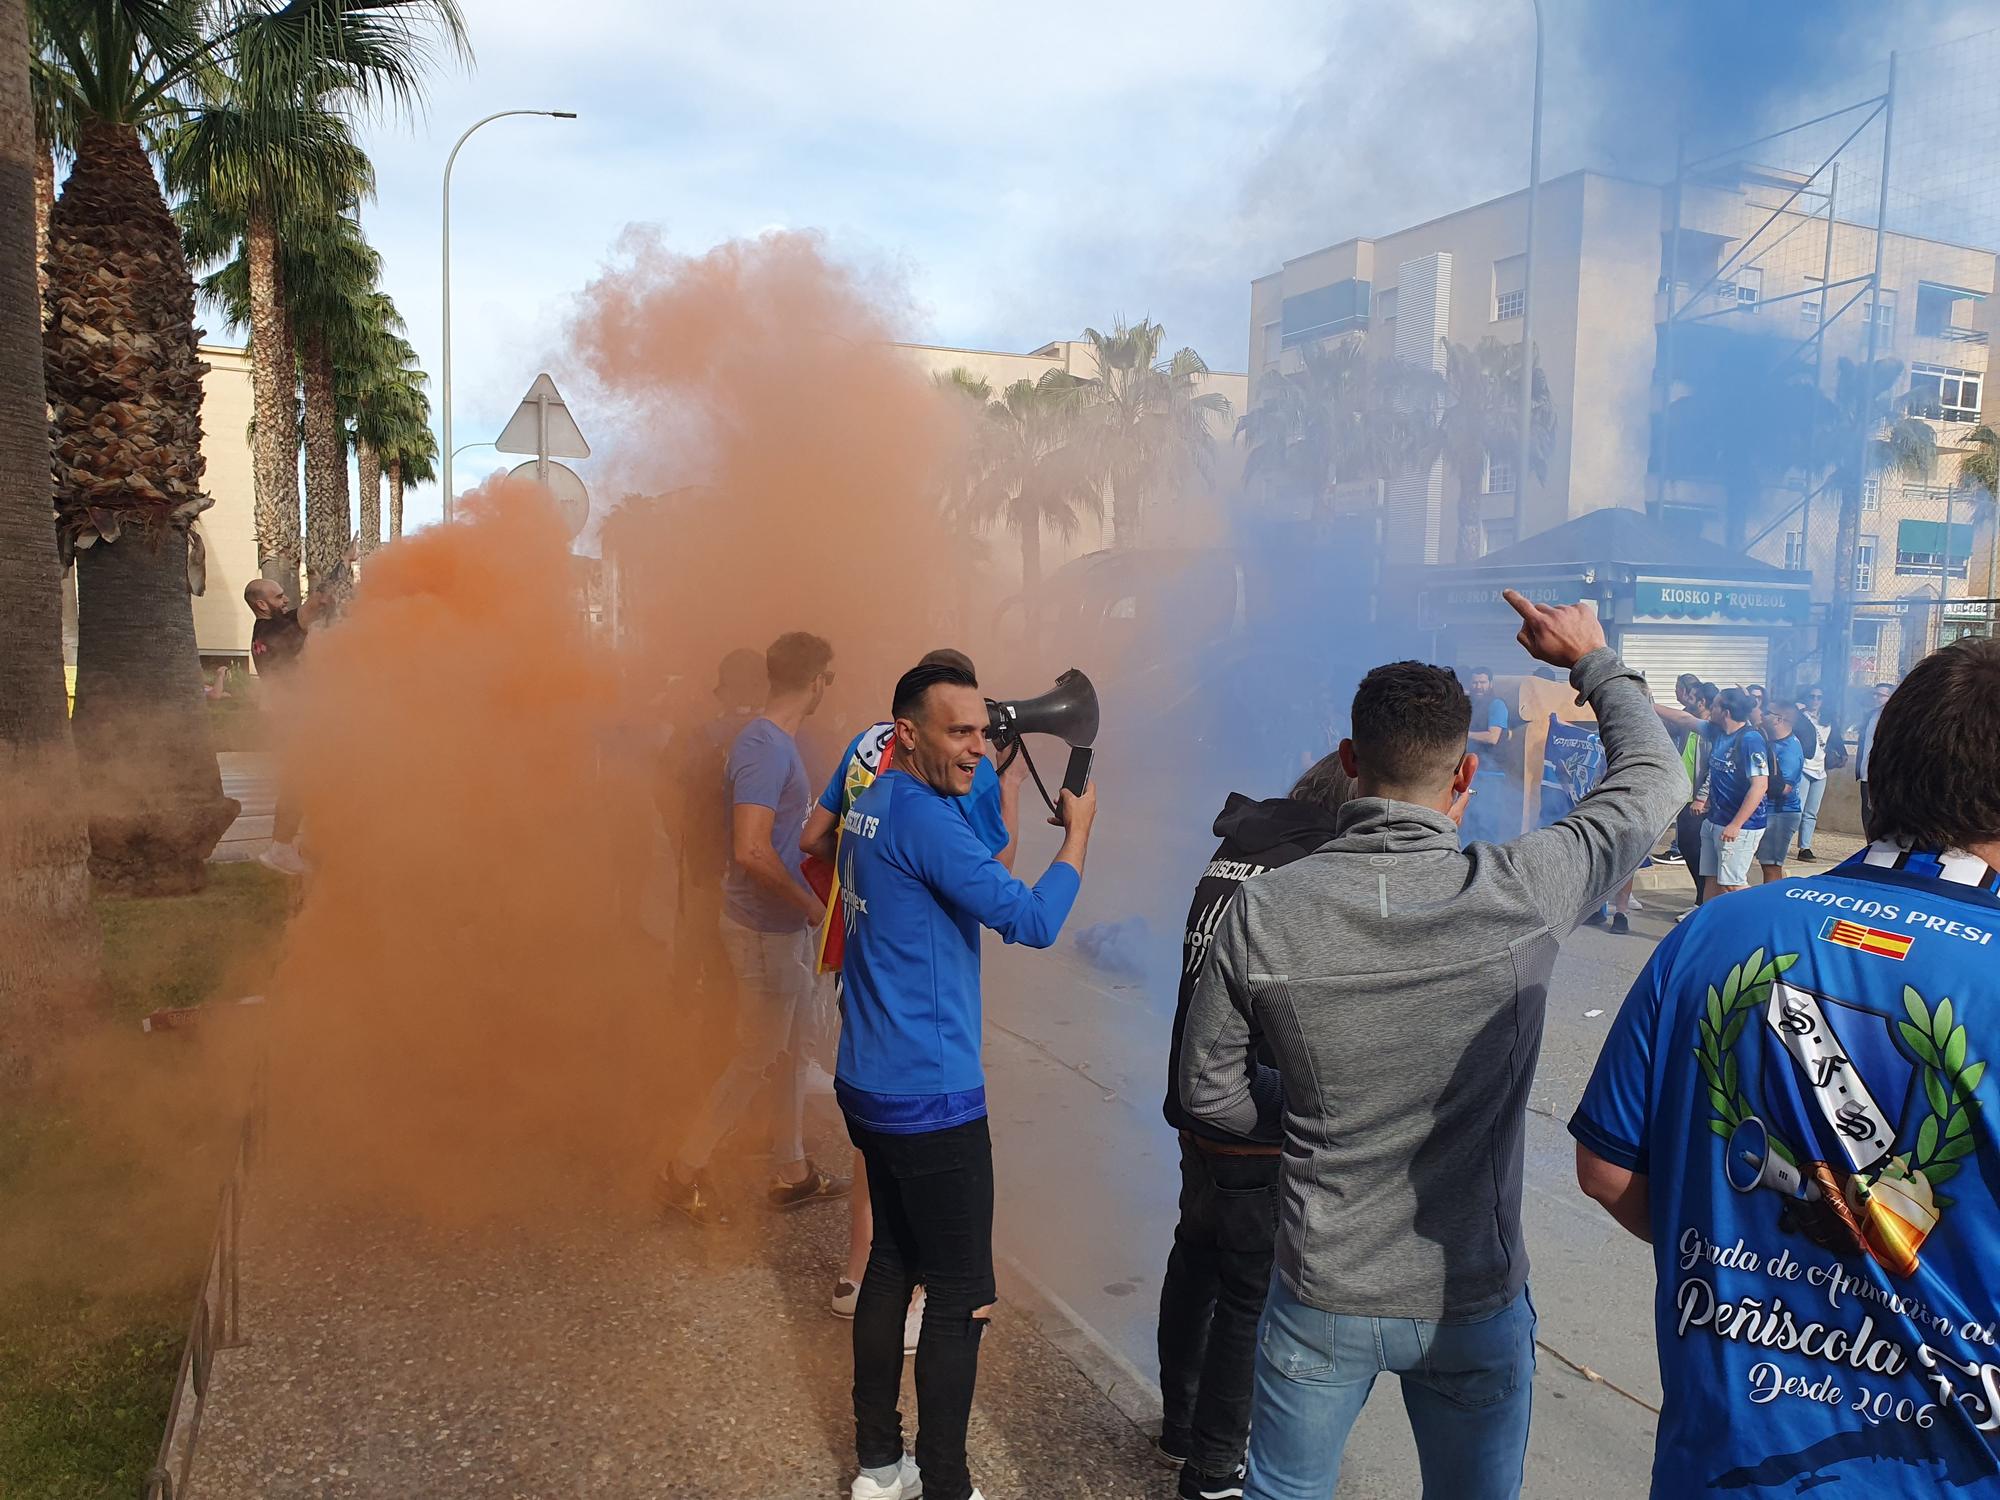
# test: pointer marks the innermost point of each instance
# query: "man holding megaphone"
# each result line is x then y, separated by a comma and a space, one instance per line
917, 884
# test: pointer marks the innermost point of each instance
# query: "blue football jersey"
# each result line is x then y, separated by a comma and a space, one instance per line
1801, 1073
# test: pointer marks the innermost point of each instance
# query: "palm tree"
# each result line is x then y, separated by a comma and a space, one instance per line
1475, 419
124, 385
378, 389
410, 456
47, 934
1980, 470
1147, 423
1868, 436
226, 157
1033, 474
1340, 417
330, 281
267, 147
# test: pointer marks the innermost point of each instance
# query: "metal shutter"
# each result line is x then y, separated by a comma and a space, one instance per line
1724, 658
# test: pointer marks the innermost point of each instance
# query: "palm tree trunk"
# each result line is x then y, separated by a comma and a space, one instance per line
48, 935
1467, 550
124, 385
274, 396
1031, 558
395, 499
156, 803
45, 200
326, 466
1031, 578
369, 464
1124, 511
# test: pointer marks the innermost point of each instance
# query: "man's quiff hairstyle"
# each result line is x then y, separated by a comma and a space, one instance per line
1410, 723
912, 686
1934, 768
795, 659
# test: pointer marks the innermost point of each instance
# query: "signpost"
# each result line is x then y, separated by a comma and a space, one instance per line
543, 427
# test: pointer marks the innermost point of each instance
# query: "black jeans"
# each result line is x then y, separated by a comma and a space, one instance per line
1211, 1300
1687, 834
933, 1198
1867, 808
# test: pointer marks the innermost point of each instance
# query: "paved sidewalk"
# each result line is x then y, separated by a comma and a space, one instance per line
614, 1357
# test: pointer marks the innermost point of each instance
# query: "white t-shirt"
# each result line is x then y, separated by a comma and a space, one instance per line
1815, 766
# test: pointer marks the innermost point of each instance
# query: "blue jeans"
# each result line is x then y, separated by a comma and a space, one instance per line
1467, 1386
1812, 792
774, 989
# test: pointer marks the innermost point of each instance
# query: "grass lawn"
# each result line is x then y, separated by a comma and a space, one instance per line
99, 1250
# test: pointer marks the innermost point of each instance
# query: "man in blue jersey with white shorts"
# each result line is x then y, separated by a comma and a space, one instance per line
916, 886
1793, 1107
1732, 801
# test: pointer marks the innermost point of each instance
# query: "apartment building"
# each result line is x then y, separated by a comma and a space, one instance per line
1745, 277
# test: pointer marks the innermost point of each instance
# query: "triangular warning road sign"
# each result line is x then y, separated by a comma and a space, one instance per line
524, 427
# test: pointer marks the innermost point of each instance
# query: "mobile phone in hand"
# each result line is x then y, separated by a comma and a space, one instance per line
1077, 776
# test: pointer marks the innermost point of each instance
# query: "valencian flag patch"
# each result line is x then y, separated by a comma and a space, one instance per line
1873, 940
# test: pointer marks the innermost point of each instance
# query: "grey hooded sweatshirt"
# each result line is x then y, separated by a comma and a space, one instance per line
1399, 982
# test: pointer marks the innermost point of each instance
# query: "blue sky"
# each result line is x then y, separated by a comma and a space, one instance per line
1021, 171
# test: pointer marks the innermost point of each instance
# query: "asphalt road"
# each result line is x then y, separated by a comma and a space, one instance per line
1087, 1176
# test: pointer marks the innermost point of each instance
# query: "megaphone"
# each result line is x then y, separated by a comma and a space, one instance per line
1751, 1164
1068, 711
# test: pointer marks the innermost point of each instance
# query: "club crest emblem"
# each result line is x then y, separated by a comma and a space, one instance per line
1853, 1115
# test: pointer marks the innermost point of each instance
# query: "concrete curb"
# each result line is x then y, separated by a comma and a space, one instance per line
1121, 1381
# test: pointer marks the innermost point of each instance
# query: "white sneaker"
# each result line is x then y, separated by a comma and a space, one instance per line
284, 858
907, 1484
845, 1294
913, 1322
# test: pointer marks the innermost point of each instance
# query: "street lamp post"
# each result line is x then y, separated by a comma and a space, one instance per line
1526, 452
553, 114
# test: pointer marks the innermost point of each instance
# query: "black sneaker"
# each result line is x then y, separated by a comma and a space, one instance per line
814, 1187
1171, 1448
1671, 857
1198, 1486
694, 1197
1620, 923
1807, 857
1595, 919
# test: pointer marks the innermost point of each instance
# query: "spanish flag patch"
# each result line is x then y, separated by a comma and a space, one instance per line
1873, 940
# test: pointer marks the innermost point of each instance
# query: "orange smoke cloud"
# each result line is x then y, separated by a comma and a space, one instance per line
469, 1016
793, 457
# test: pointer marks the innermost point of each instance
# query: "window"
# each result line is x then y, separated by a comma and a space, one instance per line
1385, 303
1921, 548
1795, 550
1499, 534
1871, 493
1809, 309
1944, 394
1509, 305
1885, 312
1499, 477
1325, 312
1749, 287
1864, 565
1946, 312
1274, 342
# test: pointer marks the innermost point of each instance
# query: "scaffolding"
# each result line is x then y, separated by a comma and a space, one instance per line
1866, 227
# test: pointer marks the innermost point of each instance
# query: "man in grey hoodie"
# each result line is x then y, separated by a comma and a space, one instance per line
1399, 982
